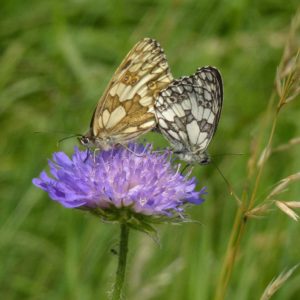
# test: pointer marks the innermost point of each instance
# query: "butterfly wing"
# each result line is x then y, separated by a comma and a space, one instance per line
126, 109
188, 110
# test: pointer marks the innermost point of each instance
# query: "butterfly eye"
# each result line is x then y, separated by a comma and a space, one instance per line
84, 140
205, 159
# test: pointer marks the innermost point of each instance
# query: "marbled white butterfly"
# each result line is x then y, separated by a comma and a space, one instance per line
126, 109
188, 112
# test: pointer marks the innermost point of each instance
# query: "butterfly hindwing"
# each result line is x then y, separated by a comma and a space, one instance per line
188, 110
126, 110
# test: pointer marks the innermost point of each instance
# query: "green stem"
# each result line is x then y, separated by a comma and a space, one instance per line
120, 275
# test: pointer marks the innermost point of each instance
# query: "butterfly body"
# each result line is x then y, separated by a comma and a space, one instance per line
201, 158
188, 112
126, 109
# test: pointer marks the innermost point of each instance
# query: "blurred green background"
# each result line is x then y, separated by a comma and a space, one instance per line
56, 58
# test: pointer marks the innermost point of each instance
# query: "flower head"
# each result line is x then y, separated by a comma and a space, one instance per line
135, 181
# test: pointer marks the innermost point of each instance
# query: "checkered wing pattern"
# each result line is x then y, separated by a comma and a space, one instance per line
126, 109
188, 110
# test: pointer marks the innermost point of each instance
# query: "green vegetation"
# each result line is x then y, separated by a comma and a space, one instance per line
55, 61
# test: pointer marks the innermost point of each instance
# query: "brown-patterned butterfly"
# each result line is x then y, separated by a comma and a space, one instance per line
188, 113
126, 109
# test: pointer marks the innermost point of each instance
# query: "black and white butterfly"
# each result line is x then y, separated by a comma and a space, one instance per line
188, 113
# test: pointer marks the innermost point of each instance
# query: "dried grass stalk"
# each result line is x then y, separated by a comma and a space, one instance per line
287, 210
276, 283
283, 184
259, 211
292, 142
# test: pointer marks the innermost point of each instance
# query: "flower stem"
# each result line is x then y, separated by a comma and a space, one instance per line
120, 275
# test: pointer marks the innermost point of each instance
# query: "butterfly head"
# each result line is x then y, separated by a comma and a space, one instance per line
86, 141
90, 141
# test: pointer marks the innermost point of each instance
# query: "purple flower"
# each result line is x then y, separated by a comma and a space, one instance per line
119, 183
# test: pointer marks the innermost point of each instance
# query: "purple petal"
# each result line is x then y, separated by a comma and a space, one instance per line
146, 183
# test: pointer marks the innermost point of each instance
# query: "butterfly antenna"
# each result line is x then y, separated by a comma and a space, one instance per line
52, 132
69, 137
232, 154
229, 186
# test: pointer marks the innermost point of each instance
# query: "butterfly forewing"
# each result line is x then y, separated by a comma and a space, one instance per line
126, 109
188, 110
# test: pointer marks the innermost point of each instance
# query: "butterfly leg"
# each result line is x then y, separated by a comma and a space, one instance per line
156, 129
136, 154
170, 150
184, 168
95, 153
87, 156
